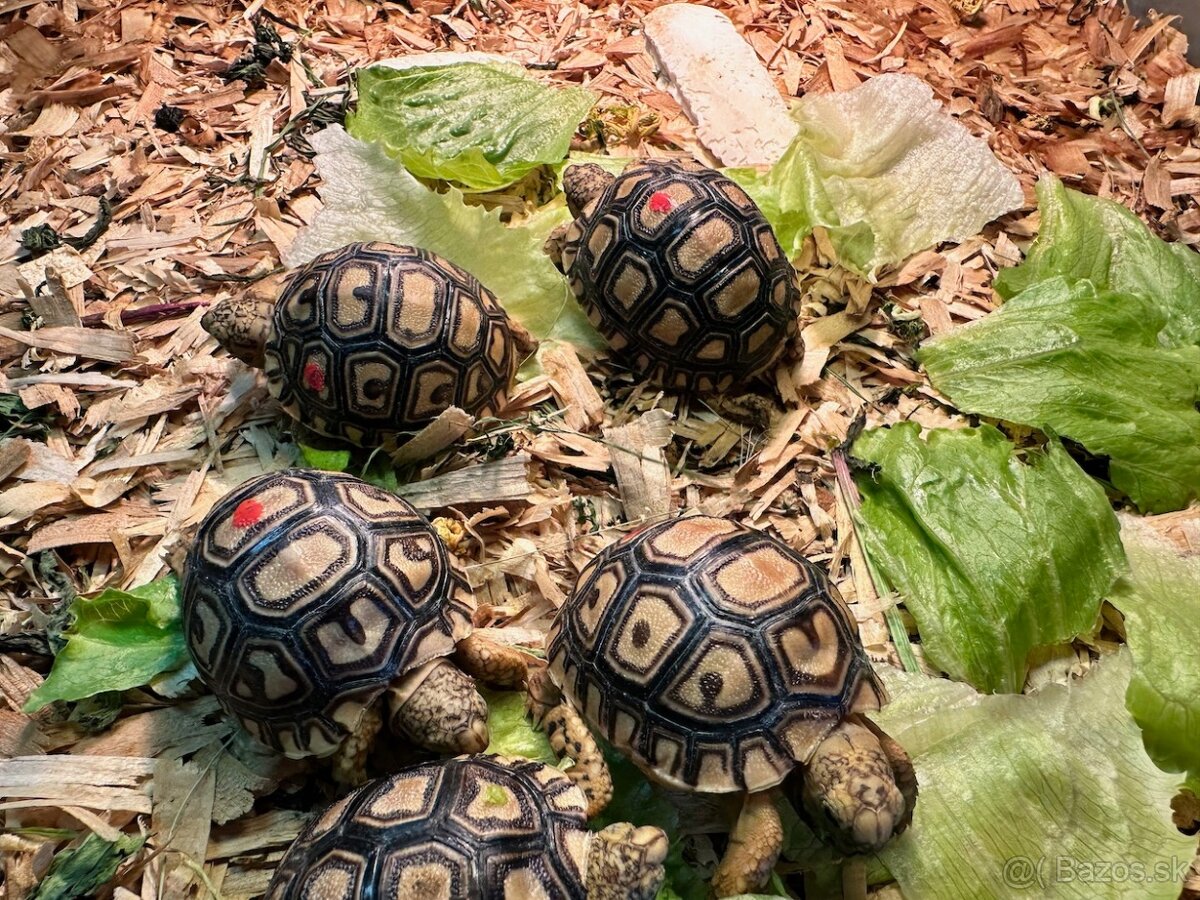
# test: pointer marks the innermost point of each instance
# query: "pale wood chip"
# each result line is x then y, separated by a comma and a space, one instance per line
582, 405
497, 481
171, 732
92, 782
90, 343
1179, 98
100, 528
182, 816
819, 339
14, 453
19, 734
640, 465
439, 434
273, 830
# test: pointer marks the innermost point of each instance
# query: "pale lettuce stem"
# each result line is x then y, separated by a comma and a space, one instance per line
891, 615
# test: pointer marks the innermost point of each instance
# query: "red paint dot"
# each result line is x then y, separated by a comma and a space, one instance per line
247, 513
314, 377
660, 202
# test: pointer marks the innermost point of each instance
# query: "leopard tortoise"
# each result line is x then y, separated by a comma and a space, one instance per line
373, 341
471, 828
308, 595
720, 660
679, 270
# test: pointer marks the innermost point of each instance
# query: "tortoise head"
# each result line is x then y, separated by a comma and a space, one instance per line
859, 789
582, 184
241, 325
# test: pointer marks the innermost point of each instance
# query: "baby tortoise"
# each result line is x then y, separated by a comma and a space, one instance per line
307, 595
472, 828
373, 341
719, 660
679, 270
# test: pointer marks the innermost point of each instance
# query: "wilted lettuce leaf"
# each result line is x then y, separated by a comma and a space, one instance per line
482, 125
1161, 603
511, 732
367, 198
1020, 794
81, 871
120, 640
886, 170
993, 556
1085, 238
1091, 366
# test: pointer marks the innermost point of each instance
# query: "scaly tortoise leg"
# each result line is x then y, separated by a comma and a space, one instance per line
569, 736
492, 663
553, 246
349, 761
850, 789
437, 707
754, 847
626, 863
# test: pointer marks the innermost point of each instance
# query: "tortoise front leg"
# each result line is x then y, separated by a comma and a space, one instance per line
349, 761
569, 736
553, 247
754, 848
437, 707
626, 863
492, 663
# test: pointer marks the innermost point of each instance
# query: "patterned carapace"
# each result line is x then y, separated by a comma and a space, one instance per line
468, 828
376, 339
306, 593
712, 654
682, 274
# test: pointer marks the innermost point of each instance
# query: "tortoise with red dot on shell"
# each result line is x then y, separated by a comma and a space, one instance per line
679, 270
314, 604
373, 341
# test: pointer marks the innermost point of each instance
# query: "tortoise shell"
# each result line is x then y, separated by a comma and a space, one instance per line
713, 655
306, 593
682, 274
373, 340
467, 828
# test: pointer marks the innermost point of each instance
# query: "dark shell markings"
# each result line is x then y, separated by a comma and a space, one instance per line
683, 275
375, 339
712, 654
305, 594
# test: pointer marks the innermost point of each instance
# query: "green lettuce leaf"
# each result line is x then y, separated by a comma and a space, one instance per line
993, 556
482, 125
367, 198
511, 731
1098, 343
326, 460
1085, 238
119, 640
1045, 795
1161, 603
1089, 365
886, 170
